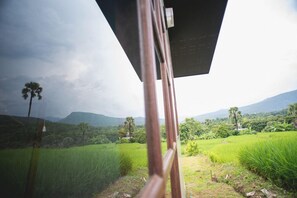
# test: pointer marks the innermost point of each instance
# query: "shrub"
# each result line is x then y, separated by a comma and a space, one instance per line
208, 136
140, 136
275, 126
247, 132
125, 164
276, 160
192, 148
123, 141
213, 157
67, 141
100, 139
223, 130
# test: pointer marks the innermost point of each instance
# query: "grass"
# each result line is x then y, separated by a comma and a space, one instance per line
226, 150
72, 172
276, 160
224, 155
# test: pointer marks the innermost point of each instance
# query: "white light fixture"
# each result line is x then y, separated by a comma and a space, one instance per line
169, 17
43, 128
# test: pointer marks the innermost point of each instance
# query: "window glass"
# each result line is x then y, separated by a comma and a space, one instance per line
71, 104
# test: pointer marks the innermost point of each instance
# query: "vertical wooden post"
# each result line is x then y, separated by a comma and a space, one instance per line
148, 70
32, 171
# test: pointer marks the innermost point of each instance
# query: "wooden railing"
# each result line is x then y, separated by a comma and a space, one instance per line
154, 39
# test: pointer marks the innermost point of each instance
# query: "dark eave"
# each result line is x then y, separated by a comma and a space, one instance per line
193, 38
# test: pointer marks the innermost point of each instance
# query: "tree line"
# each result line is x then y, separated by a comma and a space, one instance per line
238, 124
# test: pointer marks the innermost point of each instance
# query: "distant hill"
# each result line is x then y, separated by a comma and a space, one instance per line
275, 103
53, 119
99, 120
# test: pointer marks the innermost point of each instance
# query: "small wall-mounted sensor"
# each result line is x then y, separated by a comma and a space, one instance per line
169, 17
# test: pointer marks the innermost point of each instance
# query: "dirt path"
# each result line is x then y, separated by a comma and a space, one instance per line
201, 181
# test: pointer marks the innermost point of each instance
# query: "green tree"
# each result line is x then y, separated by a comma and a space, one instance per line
235, 116
83, 127
292, 111
222, 130
129, 126
190, 129
121, 131
33, 89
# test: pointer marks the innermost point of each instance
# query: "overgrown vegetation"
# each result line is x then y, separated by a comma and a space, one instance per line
275, 160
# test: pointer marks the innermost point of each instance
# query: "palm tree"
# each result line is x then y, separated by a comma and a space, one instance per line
129, 125
234, 115
33, 89
292, 111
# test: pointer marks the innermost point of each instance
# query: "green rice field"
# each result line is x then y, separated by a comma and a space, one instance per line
85, 171
71, 172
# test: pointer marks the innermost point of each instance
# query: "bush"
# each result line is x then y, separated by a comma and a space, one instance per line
140, 136
123, 141
192, 148
247, 132
276, 160
100, 139
213, 157
67, 142
208, 136
223, 130
275, 126
125, 164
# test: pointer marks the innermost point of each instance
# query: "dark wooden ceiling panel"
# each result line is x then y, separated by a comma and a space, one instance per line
193, 38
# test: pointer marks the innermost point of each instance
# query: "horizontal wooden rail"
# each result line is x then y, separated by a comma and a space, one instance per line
154, 188
168, 160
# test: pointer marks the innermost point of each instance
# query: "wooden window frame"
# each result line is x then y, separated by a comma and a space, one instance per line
153, 36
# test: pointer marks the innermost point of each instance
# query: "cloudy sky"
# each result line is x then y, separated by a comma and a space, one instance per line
68, 47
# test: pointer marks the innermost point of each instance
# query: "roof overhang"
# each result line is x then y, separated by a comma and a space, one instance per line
193, 38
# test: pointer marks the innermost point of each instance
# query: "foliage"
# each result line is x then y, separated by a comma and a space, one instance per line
192, 148
235, 116
274, 126
67, 141
83, 127
129, 126
276, 160
121, 131
140, 135
99, 139
247, 131
33, 89
223, 130
18, 132
190, 130
208, 136
292, 111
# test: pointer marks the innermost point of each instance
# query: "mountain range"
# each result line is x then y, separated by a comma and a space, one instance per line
99, 120
272, 104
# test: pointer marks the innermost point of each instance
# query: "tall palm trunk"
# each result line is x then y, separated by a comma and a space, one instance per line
236, 121
30, 104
